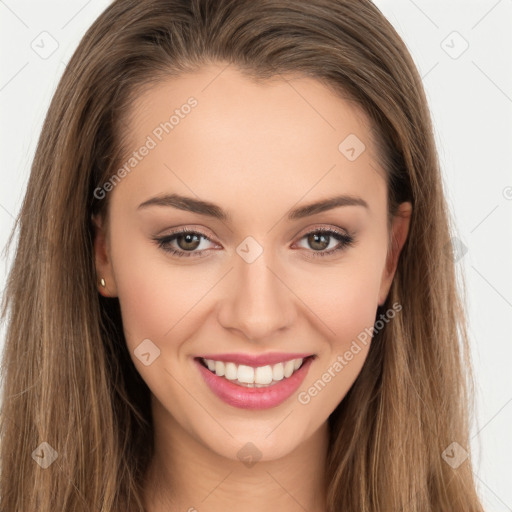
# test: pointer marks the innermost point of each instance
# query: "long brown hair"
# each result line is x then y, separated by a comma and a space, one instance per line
68, 379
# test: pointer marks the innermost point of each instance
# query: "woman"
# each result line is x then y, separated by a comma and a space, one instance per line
231, 286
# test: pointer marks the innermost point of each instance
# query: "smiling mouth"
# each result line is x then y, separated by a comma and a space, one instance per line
250, 376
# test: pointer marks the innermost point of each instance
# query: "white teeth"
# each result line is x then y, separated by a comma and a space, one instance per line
230, 371
246, 374
262, 375
249, 376
278, 371
219, 368
288, 368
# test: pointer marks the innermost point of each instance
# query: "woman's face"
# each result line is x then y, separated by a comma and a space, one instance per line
256, 273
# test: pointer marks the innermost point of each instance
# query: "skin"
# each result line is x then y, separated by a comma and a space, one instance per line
256, 150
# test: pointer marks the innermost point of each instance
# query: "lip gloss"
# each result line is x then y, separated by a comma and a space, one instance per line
254, 398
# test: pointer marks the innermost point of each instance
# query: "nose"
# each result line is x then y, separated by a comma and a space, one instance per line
257, 300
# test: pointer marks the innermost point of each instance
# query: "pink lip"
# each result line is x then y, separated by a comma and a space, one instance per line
254, 398
259, 360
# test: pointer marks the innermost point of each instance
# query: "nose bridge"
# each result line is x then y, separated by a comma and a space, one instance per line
257, 302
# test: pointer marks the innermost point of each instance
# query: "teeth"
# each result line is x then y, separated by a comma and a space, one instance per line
249, 376
219, 367
230, 371
263, 375
288, 368
246, 374
278, 371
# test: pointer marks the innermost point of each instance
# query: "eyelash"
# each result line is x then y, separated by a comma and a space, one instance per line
163, 242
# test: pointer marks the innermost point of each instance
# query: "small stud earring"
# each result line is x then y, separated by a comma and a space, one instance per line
102, 282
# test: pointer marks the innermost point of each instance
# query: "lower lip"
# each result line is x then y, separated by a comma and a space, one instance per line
254, 398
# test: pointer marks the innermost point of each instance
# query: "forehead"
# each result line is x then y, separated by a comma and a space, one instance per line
218, 127
224, 93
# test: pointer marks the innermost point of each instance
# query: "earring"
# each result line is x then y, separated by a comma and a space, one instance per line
102, 282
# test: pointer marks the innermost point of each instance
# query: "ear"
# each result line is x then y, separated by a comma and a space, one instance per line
399, 230
102, 258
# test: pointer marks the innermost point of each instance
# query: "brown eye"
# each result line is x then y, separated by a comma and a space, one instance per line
188, 242
183, 243
320, 239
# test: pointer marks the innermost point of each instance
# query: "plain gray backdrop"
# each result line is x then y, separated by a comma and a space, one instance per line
463, 50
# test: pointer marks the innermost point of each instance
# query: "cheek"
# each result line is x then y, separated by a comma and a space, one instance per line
346, 304
345, 296
153, 296
354, 308
350, 318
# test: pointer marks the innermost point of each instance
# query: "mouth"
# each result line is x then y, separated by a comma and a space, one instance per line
254, 387
252, 376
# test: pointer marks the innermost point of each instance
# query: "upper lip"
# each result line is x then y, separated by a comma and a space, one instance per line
256, 360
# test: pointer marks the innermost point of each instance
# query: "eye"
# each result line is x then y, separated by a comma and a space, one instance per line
188, 242
320, 239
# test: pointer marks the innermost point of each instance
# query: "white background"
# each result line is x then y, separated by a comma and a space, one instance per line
470, 98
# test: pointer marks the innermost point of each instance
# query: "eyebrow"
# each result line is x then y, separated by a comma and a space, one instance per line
212, 210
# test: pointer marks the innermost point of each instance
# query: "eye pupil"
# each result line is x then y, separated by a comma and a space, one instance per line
188, 240
313, 239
